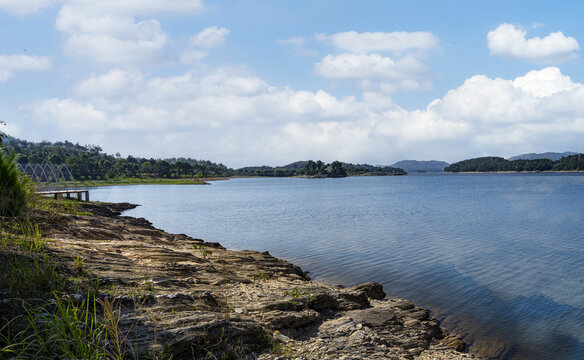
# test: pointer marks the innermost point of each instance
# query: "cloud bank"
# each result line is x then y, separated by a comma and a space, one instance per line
229, 115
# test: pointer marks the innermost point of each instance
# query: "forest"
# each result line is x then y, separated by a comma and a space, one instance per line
495, 164
89, 162
319, 169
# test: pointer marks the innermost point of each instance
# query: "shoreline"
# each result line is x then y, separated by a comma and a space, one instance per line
206, 181
194, 295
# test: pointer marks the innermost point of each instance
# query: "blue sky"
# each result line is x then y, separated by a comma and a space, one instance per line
271, 82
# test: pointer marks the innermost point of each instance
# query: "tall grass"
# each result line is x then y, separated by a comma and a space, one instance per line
63, 328
38, 320
14, 187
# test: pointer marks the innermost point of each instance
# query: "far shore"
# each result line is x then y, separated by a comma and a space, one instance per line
206, 180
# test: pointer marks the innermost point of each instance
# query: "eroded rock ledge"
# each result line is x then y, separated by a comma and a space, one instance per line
187, 298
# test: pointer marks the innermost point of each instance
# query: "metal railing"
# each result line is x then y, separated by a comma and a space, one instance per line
49, 177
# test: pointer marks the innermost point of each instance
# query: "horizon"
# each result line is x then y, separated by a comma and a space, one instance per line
269, 83
326, 162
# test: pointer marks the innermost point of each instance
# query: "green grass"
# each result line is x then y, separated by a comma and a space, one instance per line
141, 181
38, 317
60, 206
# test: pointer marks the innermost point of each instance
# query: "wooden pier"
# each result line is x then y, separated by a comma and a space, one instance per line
66, 193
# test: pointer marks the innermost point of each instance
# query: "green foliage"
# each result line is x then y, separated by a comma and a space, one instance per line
14, 187
205, 252
568, 163
36, 320
319, 169
487, 164
62, 206
90, 163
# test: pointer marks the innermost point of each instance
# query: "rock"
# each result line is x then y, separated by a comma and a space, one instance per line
374, 317
291, 319
372, 289
454, 343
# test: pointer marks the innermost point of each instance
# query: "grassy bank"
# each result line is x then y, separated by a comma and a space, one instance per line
49, 307
142, 181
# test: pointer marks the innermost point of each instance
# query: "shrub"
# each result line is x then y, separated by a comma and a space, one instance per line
14, 187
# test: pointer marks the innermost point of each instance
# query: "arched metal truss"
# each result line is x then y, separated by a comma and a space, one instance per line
49, 177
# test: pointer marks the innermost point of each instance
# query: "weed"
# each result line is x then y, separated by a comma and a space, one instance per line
79, 265
205, 252
262, 276
300, 297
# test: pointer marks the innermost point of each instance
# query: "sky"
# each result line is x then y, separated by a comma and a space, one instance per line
259, 82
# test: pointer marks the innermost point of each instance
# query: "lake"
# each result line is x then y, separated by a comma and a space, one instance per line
498, 258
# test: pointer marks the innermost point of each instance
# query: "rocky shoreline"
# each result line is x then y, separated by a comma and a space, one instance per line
187, 298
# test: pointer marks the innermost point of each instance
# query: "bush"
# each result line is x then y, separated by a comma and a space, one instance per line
14, 187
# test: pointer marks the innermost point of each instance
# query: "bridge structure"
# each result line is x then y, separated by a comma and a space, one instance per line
53, 180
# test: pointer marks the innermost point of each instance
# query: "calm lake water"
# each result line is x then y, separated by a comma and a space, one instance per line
499, 258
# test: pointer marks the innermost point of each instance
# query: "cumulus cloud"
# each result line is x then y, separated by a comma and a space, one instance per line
11, 63
107, 31
362, 61
366, 42
405, 73
20, 7
242, 120
510, 42
109, 38
210, 37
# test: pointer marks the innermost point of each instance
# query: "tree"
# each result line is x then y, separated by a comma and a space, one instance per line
337, 169
2, 133
14, 187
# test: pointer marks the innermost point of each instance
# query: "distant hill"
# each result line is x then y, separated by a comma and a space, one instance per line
553, 156
413, 166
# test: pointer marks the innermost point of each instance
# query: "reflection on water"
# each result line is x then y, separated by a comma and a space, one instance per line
498, 258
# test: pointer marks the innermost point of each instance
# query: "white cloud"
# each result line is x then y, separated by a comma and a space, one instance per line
210, 37
242, 120
11, 63
510, 42
366, 42
24, 7
107, 30
544, 83
362, 62
109, 38
405, 73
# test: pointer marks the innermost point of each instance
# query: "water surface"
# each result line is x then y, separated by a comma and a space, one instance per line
499, 258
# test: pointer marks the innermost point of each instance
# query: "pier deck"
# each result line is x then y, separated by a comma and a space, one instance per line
66, 193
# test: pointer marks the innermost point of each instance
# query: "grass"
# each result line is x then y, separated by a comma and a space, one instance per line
42, 314
141, 181
60, 206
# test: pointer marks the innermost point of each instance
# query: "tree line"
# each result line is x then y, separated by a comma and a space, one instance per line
89, 162
319, 169
494, 164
